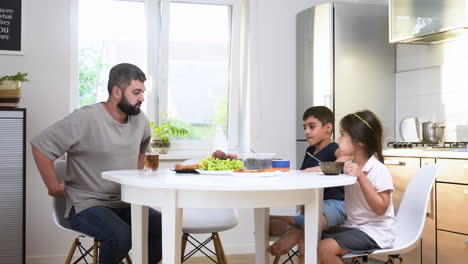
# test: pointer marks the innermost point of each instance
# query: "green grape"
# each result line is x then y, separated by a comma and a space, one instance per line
213, 163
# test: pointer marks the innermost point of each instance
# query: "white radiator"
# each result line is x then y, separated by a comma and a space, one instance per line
12, 185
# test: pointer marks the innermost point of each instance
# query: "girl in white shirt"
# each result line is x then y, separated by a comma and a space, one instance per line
370, 223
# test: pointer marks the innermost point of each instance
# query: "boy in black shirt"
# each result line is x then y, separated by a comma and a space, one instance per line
318, 128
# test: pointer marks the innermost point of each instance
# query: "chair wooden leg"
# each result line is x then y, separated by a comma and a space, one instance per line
222, 249
301, 260
364, 259
276, 260
184, 245
219, 249
128, 259
392, 259
95, 251
71, 252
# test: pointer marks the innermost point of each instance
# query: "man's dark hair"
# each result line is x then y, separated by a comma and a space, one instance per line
123, 74
322, 113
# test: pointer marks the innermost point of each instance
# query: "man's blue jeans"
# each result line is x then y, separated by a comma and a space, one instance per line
112, 226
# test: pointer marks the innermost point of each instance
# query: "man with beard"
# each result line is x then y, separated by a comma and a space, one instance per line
111, 135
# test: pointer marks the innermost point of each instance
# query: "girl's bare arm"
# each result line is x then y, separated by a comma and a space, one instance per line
378, 201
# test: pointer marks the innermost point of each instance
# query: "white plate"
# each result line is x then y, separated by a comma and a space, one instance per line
214, 172
257, 174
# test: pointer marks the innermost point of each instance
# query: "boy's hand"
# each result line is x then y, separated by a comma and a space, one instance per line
312, 169
353, 169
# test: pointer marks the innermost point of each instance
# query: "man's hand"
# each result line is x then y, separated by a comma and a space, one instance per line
55, 187
312, 169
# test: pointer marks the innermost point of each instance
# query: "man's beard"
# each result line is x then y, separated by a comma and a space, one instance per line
128, 108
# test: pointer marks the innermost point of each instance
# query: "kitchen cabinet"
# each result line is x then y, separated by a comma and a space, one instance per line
450, 199
402, 170
427, 21
453, 170
12, 185
452, 213
452, 248
428, 240
445, 234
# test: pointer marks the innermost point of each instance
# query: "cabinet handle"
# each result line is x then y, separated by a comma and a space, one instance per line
465, 166
465, 191
395, 162
466, 242
430, 213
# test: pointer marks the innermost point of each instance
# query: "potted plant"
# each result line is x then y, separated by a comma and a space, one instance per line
10, 89
162, 134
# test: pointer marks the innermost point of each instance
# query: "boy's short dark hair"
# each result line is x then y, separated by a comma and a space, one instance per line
322, 113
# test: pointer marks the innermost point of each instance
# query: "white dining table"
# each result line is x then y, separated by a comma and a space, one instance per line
171, 192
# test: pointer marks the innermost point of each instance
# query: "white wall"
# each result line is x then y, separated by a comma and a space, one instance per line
46, 59
431, 81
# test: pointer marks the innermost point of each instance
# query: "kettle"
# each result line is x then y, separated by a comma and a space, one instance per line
433, 132
410, 129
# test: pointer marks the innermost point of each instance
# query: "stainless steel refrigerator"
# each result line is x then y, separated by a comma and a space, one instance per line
344, 61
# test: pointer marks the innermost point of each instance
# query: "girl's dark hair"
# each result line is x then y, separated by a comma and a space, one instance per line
365, 127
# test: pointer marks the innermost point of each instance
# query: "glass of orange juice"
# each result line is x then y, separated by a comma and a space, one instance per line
152, 159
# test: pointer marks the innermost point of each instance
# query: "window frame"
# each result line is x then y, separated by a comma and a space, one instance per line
156, 96
160, 66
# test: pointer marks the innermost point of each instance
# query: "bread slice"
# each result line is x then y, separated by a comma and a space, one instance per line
186, 167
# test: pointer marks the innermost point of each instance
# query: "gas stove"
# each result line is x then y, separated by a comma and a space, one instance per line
422, 145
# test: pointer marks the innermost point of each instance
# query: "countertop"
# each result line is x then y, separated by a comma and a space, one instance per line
427, 153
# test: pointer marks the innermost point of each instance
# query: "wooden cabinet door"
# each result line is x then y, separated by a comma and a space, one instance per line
452, 248
452, 207
403, 170
428, 240
453, 170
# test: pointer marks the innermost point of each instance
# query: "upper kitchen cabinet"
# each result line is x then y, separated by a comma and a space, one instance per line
427, 21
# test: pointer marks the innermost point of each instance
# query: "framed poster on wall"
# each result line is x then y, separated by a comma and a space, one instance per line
11, 27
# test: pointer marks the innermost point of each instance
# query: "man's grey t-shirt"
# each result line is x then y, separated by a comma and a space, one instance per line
94, 142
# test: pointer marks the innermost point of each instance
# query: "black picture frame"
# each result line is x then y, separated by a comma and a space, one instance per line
11, 27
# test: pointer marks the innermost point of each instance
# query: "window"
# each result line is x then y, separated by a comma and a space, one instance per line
105, 39
190, 54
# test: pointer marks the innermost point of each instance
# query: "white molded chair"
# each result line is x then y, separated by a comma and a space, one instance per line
58, 214
207, 221
410, 217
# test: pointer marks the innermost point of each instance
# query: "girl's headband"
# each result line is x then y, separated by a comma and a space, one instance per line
364, 121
